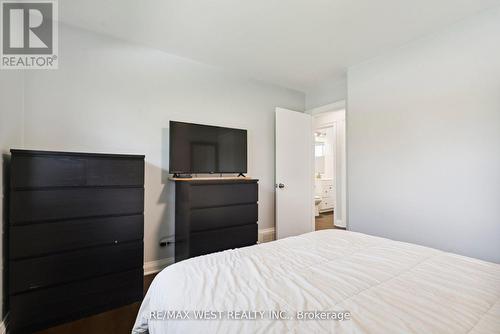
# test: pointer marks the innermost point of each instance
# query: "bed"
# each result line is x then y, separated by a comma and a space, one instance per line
383, 285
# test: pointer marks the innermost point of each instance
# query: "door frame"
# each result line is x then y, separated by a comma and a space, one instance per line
314, 112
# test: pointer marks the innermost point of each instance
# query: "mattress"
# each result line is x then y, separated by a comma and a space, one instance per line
356, 283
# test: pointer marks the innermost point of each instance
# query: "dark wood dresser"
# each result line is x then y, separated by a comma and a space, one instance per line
214, 215
74, 237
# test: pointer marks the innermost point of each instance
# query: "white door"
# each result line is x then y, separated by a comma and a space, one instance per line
294, 173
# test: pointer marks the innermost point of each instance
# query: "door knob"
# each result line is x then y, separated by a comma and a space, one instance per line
281, 186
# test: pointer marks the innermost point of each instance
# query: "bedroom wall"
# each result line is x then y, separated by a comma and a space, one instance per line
112, 96
424, 141
11, 132
329, 91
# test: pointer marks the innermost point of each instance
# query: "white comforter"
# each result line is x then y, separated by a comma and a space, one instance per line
387, 286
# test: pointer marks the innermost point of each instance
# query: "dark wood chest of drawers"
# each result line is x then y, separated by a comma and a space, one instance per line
214, 215
74, 236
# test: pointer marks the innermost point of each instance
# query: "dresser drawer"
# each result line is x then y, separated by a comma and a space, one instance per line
34, 310
43, 238
40, 205
218, 240
223, 194
326, 204
40, 171
115, 172
329, 192
44, 271
47, 171
225, 216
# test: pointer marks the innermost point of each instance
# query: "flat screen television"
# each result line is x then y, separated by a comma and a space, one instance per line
196, 148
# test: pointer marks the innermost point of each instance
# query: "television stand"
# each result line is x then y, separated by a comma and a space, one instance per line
241, 174
182, 176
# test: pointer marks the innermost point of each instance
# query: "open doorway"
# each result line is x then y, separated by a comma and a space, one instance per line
324, 176
329, 167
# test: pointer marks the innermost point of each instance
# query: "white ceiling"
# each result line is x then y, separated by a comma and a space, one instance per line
292, 43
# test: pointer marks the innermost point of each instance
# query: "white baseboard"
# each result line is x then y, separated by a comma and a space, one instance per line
266, 235
153, 267
339, 223
3, 328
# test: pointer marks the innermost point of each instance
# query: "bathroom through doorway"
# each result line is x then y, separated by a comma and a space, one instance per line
329, 167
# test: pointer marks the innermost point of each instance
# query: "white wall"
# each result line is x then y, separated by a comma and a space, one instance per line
11, 118
424, 141
326, 92
111, 96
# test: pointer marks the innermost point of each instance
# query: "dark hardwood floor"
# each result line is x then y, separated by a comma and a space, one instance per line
324, 221
116, 321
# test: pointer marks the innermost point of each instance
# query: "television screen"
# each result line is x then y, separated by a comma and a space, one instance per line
196, 148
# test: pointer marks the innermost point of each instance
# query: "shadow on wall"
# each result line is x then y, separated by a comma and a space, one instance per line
165, 227
165, 230
165, 155
5, 214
